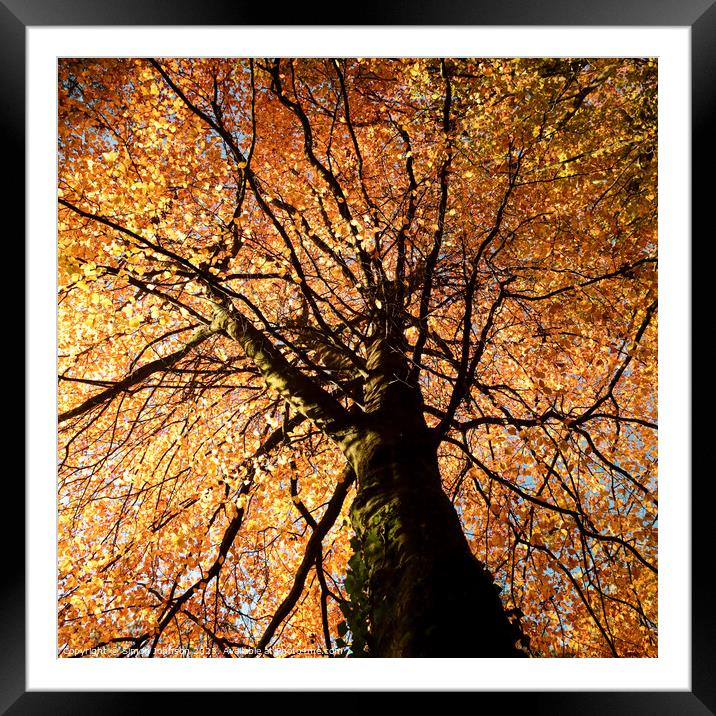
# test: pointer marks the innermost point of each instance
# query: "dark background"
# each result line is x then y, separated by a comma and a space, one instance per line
700, 15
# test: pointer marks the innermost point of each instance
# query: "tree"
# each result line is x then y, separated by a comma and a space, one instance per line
357, 352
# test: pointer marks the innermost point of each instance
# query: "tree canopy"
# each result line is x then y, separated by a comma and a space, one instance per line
234, 237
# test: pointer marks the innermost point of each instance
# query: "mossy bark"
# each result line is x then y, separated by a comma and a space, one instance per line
424, 592
427, 595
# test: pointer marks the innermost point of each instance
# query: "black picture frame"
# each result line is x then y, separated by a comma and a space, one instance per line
699, 15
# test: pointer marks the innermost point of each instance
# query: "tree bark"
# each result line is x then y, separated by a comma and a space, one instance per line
418, 587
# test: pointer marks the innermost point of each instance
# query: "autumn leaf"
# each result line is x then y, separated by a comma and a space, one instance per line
419, 293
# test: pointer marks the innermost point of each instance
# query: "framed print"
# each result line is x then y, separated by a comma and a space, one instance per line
360, 275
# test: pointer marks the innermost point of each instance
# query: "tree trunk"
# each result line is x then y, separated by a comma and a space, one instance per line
425, 592
413, 581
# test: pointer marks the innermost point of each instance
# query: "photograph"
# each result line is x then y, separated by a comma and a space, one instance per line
357, 357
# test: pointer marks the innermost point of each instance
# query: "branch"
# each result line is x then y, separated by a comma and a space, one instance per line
309, 558
626, 270
326, 174
138, 375
578, 518
432, 260
468, 368
302, 393
625, 364
174, 605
